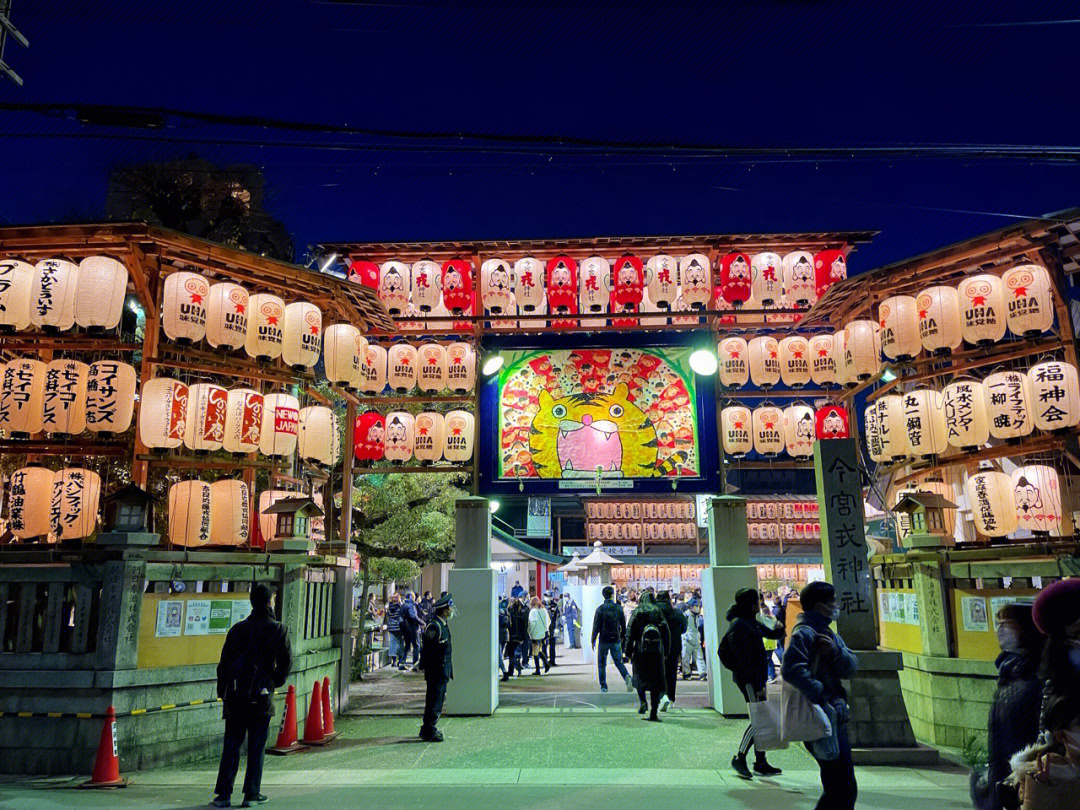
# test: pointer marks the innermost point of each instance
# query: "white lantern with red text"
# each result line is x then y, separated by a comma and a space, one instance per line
1057, 395
862, 349
302, 335
898, 318
768, 430
426, 284
22, 393
399, 436
845, 375
52, 294
892, 423
394, 284
190, 514
1030, 300
990, 497
982, 309
766, 274
967, 415
318, 440
496, 286
163, 411
734, 362
822, 360
243, 421
695, 271
1010, 404
764, 353
1037, 494
280, 425
268, 522
99, 292
529, 285
373, 371
63, 409
461, 367
458, 446
230, 512
939, 319
29, 502
344, 349
227, 315
795, 361
429, 435
110, 396
206, 411
799, 430
798, 269
76, 497
662, 272
924, 415
736, 430
431, 369
183, 306
16, 281
266, 328
401, 365
594, 285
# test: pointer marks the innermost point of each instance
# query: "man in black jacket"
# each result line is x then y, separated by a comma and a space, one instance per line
676, 623
254, 661
518, 615
554, 613
438, 667
609, 628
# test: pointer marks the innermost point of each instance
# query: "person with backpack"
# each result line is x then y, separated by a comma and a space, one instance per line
742, 651
676, 623
255, 660
647, 646
518, 632
815, 661
609, 629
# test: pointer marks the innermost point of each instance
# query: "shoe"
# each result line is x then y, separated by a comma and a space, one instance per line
538, 672
504, 679
629, 684
434, 736
221, 801
763, 768
652, 718
401, 668
603, 688
252, 801
547, 669
644, 707
739, 765
665, 701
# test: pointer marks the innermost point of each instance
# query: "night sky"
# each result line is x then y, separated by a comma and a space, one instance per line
821, 74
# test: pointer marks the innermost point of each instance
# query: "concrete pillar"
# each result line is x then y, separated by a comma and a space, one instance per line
475, 632
729, 570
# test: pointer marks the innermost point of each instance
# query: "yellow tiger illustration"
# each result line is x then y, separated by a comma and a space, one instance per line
577, 435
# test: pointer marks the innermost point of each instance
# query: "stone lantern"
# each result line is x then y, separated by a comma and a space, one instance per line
598, 564
129, 514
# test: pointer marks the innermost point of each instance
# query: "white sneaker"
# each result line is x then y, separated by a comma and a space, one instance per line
664, 703
629, 684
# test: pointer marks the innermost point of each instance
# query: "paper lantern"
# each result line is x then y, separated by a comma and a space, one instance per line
594, 285
301, 335
190, 514
401, 363
344, 349
110, 396
529, 284
736, 426
461, 367
831, 422
682, 305
163, 410
924, 415
734, 362
184, 307
100, 289
862, 350
822, 361
892, 422
458, 446
429, 435
280, 425
243, 421
507, 323
795, 361
766, 277
52, 295
798, 268
982, 309
1010, 404
799, 430
569, 309
967, 417
365, 273
22, 393
268, 522
30, 502
830, 266
399, 436
76, 497
1037, 494
764, 361
898, 318
369, 436
939, 319
990, 496
1030, 300
394, 286
373, 371
845, 375
16, 282
227, 315
63, 408
662, 272
735, 279
266, 327
768, 430
628, 284
1056, 395
496, 286
230, 513
318, 440
431, 367
426, 281
457, 286
872, 434
206, 410
695, 271
562, 285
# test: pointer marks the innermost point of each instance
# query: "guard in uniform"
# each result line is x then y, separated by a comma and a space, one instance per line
438, 668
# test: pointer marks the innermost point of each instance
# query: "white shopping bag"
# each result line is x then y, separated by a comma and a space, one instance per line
765, 718
801, 720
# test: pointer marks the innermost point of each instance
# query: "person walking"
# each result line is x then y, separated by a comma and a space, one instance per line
608, 631
815, 661
518, 616
393, 628
438, 666
676, 623
255, 660
555, 614
692, 655
411, 627
539, 624
647, 646
742, 651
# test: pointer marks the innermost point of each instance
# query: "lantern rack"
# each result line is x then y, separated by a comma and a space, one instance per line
767, 464
192, 462
462, 399
466, 470
30, 341
62, 448
724, 394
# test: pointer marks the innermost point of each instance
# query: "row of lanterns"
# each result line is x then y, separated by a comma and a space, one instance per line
65, 397
399, 436
202, 514
56, 294
431, 367
63, 504
771, 431
1029, 498
967, 413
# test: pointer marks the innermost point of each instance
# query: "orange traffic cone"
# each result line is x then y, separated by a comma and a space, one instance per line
313, 730
327, 711
107, 765
286, 738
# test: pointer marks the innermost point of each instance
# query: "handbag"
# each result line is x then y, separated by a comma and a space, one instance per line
765, 718
801, 720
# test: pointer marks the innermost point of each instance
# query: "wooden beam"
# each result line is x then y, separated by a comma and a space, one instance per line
136, 262
407, 470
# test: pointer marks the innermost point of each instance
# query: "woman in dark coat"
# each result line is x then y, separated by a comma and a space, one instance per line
648, 641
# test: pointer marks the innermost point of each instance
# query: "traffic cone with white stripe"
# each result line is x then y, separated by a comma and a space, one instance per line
286, 739
107, 765
313, 729
327, 712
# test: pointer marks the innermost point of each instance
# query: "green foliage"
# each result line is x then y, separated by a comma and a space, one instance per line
391, 569
975, 752
406, 517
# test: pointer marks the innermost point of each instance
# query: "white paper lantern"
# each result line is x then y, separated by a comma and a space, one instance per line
845, 375
401, 363
318, 440
898, 318
399, 436
594, 285
892, 424
695, 275
529, 285
736, 430
924, 415
939, 319
184, 306
734, 362
1030, 300
799, 284
373, 371
30, 502
163, 413
52, 294
461, 367
862, 350
110, 396
766, 277
63, 409
243, 421
822, 360
100, 290
407, 324
1037, 494
875, 445
280, 425
22, 392
982, 309
266, 327
990, 496
227, 315
768, 425
431, 368
76, 497
764, 361
230, 513
16, 282
395, 282
967, 416
190, 514
458, 445
1010, 405
663, 280
302, 335
1057, 395
507, 323
799, 430
795, 361
425, 284
205, 426
429, 436
268, 522
496, 286
344, 349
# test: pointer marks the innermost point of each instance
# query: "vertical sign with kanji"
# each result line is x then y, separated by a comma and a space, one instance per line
843, 542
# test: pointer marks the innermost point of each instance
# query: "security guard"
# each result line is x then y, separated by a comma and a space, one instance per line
438, 667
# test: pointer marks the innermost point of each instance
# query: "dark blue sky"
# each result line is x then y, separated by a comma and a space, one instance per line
742, 73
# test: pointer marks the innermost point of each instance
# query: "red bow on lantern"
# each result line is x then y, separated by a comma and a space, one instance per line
978, 301
1021, 292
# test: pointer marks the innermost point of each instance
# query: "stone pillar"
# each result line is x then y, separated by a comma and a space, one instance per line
930, 590
475, 631
341, 631
729, 570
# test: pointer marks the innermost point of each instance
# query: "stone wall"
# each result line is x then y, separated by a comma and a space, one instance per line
947, 699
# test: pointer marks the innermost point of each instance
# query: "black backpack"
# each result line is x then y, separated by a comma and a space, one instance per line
728, 656
609, 627
246, 685
652, 643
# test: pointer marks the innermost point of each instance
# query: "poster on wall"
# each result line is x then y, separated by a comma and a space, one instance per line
974, 613
538, 519
589, 414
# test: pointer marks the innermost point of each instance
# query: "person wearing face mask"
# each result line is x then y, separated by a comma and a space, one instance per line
1057, 615
815, 661
438, 666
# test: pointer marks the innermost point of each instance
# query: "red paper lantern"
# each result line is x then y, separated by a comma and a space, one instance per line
457, 286
829, 268
628, 283
562, 285
364, 272
369, 436
832, 423
735, 278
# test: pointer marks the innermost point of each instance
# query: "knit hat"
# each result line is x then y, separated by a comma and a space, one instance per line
1057, 606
